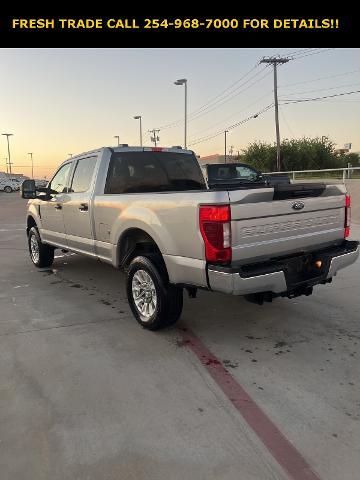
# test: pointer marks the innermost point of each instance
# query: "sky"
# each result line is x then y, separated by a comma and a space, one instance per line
62, 101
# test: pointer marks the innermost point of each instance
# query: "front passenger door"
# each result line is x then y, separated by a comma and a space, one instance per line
77, 207
51, 210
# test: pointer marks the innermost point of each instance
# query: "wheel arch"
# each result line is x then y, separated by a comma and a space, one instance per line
30, 222
133, 242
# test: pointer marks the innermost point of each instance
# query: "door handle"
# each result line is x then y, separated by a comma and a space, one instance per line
84, 207
58, 207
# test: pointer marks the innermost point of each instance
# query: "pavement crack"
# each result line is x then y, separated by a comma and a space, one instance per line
56, 327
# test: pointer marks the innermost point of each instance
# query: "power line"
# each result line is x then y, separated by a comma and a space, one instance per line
274, 57
295, 53
231, 127
215, 107
216, 99
286, 122
287, 101
312, 53
301, 51
324, 88
225, 97
265, 109
233, 115
210, 101
340, 101
306, 52
230, 87
319, 78
36, 165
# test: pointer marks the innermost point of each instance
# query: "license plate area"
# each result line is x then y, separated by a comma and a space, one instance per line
309, 269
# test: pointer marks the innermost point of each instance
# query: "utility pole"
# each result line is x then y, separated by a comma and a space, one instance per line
32, 164
155, 138
7, 135
118, 139
225, 132
274, 62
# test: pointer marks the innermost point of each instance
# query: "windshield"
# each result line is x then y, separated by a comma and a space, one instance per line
232, 173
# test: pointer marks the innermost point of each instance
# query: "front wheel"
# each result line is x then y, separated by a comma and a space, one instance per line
154, 303
8, 189
41, 255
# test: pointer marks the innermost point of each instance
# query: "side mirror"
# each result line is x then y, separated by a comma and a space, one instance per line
28, 189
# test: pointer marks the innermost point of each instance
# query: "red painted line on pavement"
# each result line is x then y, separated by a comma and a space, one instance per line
278, 445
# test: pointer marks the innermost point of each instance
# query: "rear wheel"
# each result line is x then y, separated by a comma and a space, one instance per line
41, 255
153, 301
8, 189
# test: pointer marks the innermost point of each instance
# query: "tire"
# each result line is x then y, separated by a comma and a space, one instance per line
8, 189
41, 255
163, 302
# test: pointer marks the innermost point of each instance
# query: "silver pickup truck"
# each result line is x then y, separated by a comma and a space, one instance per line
150, 212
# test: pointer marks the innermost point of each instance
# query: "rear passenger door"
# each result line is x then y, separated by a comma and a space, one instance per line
77, 208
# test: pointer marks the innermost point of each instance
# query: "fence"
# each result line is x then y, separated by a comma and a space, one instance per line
345, 173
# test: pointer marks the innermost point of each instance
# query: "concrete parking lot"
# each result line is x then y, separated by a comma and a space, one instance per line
234, 391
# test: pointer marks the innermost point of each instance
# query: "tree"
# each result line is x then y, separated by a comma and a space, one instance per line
353, 158
296, 154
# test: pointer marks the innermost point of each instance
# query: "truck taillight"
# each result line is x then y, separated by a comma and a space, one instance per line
347, 216
215, 228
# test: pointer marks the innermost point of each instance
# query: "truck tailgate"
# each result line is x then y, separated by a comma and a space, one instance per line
263, 227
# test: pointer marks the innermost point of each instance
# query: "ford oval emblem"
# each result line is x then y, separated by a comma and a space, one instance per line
297, 205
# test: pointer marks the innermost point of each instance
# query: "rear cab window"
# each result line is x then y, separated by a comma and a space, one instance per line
232, 172
151, 171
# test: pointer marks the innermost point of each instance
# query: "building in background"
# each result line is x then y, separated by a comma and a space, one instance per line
216, 158
342, 151
19, 176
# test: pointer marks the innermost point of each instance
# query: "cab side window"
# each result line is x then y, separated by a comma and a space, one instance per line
60, 181
84, 171
245, 172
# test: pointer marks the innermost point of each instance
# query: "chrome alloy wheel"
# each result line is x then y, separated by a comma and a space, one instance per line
34, 247
144, 294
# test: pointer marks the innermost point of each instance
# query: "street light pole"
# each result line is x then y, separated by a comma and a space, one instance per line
225, 132
183, 81
118, 139
138, 117
7, 135
32, 165
275, 62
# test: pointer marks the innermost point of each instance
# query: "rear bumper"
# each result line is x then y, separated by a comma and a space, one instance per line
283, 274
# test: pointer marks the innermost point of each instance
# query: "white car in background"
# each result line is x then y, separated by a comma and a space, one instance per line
41, 183
9, 185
